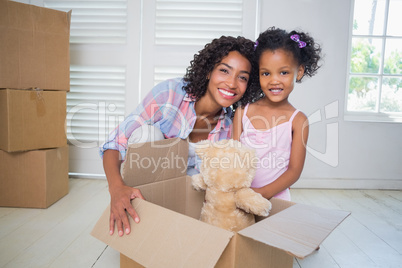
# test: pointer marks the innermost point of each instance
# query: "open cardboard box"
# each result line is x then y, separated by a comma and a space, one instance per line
34, 47
170, 234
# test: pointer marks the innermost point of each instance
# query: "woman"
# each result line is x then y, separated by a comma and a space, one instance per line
195, 107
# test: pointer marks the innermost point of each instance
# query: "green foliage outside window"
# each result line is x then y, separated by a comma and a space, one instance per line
375, 78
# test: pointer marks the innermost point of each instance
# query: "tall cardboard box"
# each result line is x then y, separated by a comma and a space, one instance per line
34, 179
169, 233
34, 47
31, 119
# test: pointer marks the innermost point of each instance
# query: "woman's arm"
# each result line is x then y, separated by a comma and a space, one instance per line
237, 124
149, 111
300, 130
120, 194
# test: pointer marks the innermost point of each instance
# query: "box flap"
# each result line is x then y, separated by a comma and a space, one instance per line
164, 238
298, 230
169, 194
155, 161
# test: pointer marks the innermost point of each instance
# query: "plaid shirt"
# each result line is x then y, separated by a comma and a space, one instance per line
169, 108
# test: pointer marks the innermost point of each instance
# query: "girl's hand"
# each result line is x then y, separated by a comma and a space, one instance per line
257, 190
120, 205
264, 191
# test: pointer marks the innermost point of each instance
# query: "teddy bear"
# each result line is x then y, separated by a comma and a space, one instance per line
226, 173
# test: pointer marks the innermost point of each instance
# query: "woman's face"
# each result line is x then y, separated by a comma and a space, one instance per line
228, 80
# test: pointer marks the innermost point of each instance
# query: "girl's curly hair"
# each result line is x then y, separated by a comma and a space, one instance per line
275, 38
212, 54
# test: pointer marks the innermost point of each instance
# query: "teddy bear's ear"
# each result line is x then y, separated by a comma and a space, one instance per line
202, 147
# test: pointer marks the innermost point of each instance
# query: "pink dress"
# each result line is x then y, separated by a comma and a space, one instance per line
272, 147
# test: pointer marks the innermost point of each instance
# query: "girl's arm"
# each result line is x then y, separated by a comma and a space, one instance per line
297, 157
237, 124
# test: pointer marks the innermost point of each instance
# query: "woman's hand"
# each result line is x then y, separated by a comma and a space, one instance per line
120, 194
120, 205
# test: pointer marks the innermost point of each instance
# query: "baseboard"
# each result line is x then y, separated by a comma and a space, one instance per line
86, 176
313, 183
343, 183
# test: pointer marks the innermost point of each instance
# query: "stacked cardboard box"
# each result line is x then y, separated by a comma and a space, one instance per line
34, 79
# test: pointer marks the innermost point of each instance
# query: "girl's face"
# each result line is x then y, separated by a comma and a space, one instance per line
278, 71
228, 80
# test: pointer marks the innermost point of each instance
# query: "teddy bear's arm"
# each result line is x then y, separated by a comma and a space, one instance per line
198, 182
252, 202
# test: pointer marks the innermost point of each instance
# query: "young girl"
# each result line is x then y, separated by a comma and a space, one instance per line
195, 107
271, 125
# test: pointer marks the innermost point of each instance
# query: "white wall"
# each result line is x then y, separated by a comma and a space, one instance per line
357, 154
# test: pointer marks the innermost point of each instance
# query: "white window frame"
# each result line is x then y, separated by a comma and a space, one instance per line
361, 116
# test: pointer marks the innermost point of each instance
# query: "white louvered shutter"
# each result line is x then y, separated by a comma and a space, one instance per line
121, 48
179, 29
95, 21
97, 90
196, 22
95, 103
103, 50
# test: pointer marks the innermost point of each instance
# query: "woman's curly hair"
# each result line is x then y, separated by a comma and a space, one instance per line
196, 77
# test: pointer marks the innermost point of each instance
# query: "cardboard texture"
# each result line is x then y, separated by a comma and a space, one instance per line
168, 159
34, 47
31, 120
34, 179
170, 234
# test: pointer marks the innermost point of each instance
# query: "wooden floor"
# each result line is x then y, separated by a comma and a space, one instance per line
59, 236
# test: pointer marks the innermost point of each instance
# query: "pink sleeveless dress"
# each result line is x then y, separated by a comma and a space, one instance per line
272, 147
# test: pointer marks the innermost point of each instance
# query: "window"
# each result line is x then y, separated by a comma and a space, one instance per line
375, 67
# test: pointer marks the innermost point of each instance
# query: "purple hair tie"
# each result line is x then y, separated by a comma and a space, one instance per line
255, 45
296, 38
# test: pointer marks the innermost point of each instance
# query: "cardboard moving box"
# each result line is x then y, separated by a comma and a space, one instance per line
34, 47
170, 234
31, 120
34, 179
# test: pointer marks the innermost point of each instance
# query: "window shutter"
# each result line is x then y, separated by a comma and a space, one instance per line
95, 103
95, 21
196, 22
96, 100
182, 28
120, 49
164, 72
